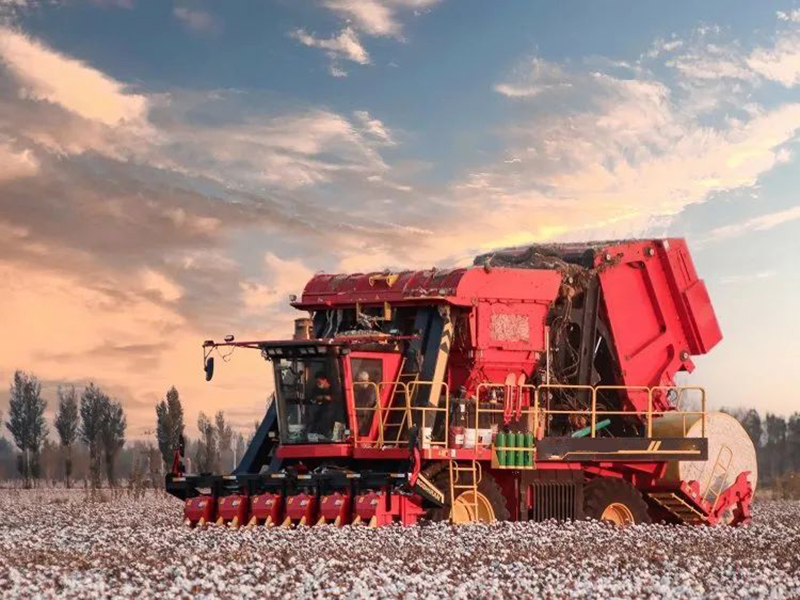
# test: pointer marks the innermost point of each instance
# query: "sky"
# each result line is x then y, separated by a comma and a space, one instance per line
170, 171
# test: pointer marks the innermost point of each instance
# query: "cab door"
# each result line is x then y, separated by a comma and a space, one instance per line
373, 401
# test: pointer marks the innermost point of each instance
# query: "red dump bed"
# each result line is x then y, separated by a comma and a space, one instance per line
657, 309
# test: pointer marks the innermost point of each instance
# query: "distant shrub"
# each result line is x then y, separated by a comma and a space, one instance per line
787, 487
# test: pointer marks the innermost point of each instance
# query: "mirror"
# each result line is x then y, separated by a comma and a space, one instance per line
209, 368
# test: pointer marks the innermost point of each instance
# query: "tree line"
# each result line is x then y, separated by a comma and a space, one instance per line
90, 428
777, 443
93, 418
216, 450
90, 438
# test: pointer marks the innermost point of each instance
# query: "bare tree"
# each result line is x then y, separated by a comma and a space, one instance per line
26, 422
67, 423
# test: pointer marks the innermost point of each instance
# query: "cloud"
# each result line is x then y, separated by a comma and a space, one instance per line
191, 214
13, 9
793, 16
382, 18
712, 62
285, 277
747, 277
662, 46
96, 114
124, 218
373, 128
374, 17
128, 4
589, 152
513, 91
780, 62
707, 56
47, 76
377, 17
760, 223
287, 151
153, 281
16, 163
60, 316
134, 348
345, 46
199, 21
536, 77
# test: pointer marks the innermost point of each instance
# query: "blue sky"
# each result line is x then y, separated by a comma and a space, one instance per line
171, 171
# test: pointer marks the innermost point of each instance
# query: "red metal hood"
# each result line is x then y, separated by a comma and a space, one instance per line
454, 286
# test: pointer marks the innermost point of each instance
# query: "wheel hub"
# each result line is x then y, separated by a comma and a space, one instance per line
465, 505
618, 513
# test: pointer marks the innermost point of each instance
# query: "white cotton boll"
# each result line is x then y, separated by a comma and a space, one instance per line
138, 549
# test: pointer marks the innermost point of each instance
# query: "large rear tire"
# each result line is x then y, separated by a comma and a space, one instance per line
614, 500
491, 502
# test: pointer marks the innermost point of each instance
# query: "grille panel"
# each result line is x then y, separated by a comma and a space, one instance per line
555, 500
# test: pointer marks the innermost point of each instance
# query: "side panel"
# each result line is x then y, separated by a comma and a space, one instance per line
705, 332
658, 311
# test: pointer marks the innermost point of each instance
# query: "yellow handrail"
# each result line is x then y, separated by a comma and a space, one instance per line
425, 410
538, 413
379, 409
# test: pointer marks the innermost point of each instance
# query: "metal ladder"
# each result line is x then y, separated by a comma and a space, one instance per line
393, 424
679, 507
686, 509
724, 466
458, 486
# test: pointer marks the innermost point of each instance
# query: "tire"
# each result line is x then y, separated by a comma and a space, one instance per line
487, 487
614, 500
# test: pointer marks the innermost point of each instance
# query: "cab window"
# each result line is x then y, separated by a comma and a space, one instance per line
311, 406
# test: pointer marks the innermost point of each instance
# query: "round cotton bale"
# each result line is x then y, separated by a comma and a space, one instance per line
730, 451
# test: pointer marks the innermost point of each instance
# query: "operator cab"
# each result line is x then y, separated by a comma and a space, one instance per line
309, 392
312, 385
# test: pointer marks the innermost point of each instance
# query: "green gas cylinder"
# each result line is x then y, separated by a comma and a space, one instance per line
521, 452
529, 449
500, 442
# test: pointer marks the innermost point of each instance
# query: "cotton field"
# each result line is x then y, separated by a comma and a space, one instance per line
61, 544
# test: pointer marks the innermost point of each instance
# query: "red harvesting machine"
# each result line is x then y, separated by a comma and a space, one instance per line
538, 383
